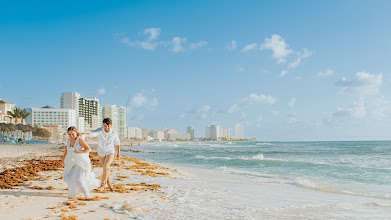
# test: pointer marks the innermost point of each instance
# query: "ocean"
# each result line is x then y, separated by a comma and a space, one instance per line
272, 180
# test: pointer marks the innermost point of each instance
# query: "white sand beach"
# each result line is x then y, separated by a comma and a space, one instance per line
29, 201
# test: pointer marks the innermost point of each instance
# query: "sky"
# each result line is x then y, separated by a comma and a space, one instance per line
286, 70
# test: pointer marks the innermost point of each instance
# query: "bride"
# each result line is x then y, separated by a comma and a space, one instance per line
77, 171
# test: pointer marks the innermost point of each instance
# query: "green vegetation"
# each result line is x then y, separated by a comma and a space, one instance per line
19, 115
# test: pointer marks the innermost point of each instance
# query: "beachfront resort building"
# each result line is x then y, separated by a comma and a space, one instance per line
213, 132
190, 130
207, 132
239, 133
169, 131
144, 134
134, 132
91, 111
176, 137
48, 115
225, 133
88, 110
6, 107
158, 135
118, 116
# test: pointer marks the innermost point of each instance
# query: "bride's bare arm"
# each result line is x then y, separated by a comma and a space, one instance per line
63, 158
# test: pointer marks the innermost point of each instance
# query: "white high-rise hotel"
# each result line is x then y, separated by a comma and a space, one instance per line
88, 110
51, 116
213, 132
239, 134
118, 116
190, 130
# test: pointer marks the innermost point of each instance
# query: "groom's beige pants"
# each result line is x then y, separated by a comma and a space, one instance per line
105, 162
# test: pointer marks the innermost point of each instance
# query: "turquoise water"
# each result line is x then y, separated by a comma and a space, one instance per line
352, 177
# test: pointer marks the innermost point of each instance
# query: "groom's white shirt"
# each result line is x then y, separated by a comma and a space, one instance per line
106, 141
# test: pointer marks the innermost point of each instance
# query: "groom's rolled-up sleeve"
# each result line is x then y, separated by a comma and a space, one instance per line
95, 133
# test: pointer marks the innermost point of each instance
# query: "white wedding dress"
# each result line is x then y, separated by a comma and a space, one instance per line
77, 171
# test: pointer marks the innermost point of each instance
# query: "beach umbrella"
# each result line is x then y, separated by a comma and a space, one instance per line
29, 128
20, 127
12, 127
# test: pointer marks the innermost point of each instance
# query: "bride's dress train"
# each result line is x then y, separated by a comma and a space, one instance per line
77, 172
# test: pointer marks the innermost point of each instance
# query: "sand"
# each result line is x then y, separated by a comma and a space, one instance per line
33, 188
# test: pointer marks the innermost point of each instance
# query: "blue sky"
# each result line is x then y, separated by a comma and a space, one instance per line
287, 70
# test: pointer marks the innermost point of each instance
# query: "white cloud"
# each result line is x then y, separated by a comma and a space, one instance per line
292, 102
358, 110
275, 113
153, 104
177, 44
260, 118
151, 43
143, 100
300, 56
101, 91
251, 99
362, 84
277, 44
233, 108
283, 73
249, 47
138, 100
326, 73
198, 45
232, 46
148, 45
154, 33
204, 111
258, 99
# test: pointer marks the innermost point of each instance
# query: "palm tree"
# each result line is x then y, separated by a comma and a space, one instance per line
19, 115
24, 114
15, 114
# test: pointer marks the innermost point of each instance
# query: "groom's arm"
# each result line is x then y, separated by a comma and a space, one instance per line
118, 150
92, 134
117, 144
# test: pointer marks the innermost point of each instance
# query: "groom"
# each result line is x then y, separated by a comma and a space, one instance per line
107, 139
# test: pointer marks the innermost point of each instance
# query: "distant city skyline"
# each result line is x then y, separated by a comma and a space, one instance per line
285, 70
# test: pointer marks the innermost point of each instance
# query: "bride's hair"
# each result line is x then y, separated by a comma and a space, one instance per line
73, 128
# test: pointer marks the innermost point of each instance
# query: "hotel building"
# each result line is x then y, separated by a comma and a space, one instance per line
174, 137
6, 107
225, 133
239, 133
169, 131
88, 110
213, 132
48, 115
190, 130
